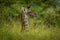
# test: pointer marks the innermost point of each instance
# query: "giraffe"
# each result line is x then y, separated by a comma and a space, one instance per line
24, 18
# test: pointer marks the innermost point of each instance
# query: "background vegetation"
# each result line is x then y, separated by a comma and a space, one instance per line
46, 26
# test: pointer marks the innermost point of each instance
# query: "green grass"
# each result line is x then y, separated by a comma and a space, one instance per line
12, 31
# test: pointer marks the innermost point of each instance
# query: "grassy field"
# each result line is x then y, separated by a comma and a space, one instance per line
12, 31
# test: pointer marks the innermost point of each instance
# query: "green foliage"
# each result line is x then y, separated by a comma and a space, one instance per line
10, 9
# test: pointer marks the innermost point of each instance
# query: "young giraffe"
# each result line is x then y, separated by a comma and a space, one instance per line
24, 18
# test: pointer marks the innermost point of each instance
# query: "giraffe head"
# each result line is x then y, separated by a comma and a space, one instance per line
30, 13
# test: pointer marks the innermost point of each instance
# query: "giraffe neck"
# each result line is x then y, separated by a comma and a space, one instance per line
24, 21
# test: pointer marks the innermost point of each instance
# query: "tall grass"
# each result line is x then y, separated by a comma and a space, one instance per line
12, 31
